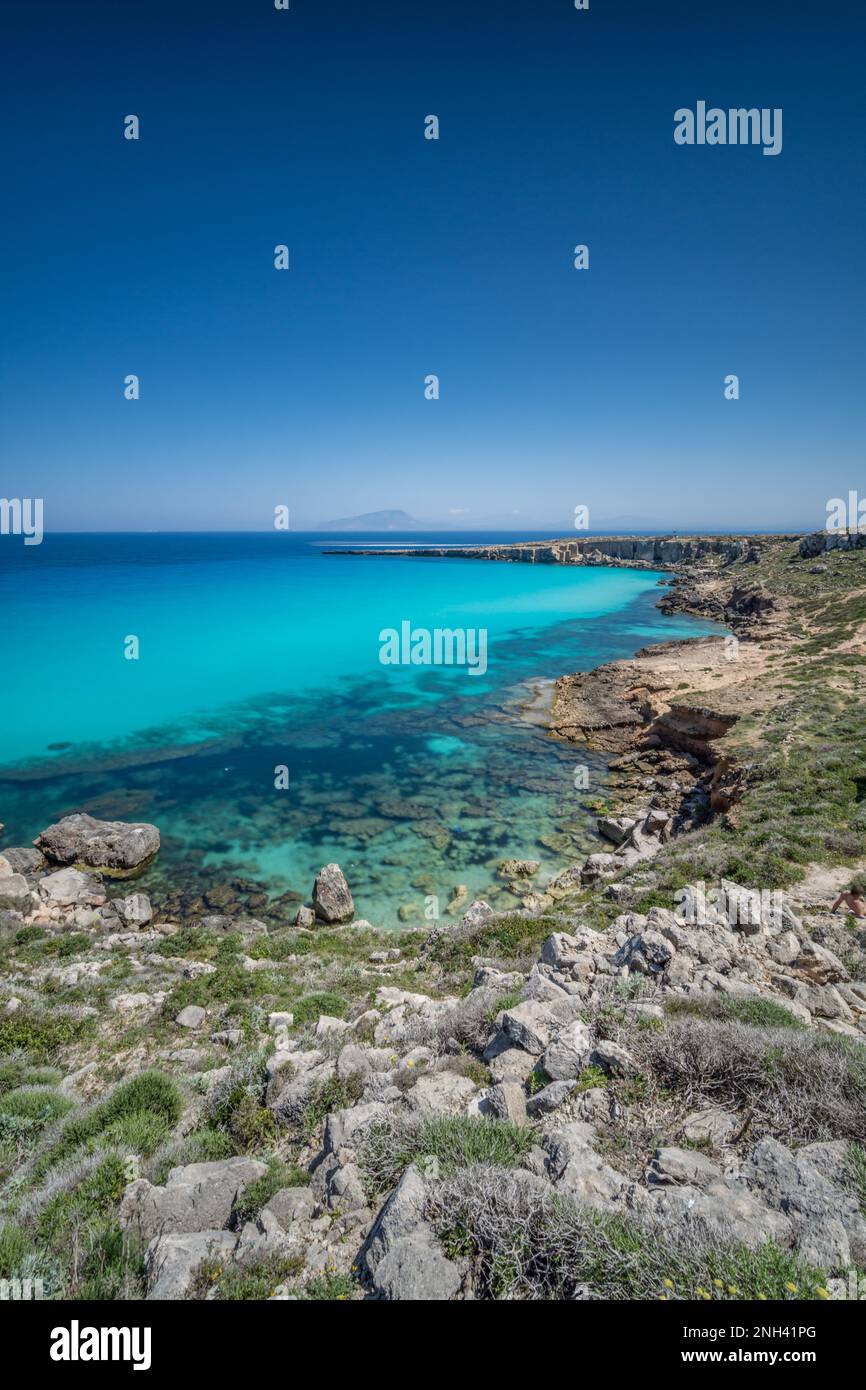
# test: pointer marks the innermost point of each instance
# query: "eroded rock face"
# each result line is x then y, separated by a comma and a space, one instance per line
332, 900
117, 849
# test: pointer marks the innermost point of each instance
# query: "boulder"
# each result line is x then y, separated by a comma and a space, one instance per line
197, 1197
441, 1093
549, 1098
171, 1262
828, 1224
648, 953
519, 868
193, 1016
614, 1058
117, 849
671, 1166
507, 1101
530, 1025
724, 1211
568, 1054
332, 901
71, 888
134, 911
14, 892
416, 1270
479, 913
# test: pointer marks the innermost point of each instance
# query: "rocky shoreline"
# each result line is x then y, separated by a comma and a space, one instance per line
643, 1083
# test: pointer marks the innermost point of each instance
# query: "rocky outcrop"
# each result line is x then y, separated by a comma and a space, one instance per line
332, 900
115, 849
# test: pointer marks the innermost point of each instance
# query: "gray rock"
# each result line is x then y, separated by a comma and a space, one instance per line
679, 1166
598, 866
479, 913
568, 1054
827, 1221
615, 828
171, 1262
725, 1211
416, 1270
116, 848
530, 1025
577, 1169
346, 1128
193, 1016
614, 1058
332, 900
71, 888
291, 1206
14, 892
507, 1101
21, 860
648, 953
511, 1063
549, 1098
197, 1197
305, 917
560, 951
402, 1214
441, 1093
134, 911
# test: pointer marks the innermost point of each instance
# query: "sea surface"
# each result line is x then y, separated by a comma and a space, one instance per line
258, 664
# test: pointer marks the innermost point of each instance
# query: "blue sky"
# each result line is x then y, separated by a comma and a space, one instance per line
411, 257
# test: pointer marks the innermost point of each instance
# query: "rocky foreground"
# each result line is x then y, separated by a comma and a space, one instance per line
669, 1104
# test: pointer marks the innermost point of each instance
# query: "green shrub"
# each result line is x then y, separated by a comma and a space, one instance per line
310, 1007
257, 1194
41, 1033
335, 1288
24, 1114
452, 1142
335, 1093
248, 1282
749, 1009
144, 1109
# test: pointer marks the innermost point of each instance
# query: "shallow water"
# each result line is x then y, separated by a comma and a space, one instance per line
259, 652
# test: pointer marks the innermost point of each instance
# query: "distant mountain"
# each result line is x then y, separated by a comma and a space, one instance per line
375, 521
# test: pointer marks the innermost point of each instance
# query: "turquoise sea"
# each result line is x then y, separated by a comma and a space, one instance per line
258, 652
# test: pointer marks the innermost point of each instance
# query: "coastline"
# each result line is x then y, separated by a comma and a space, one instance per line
669, 1044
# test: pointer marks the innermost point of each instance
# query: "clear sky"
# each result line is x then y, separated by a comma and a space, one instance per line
408, 257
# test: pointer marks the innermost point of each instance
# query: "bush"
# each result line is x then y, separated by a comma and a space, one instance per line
452, 1141
525, 1241
257, 1194
310, 1007
141, 1111
236, 1106
802, 1085
335, 1093
248, 1282
749, 1009
41, 1033
511, 940
204, 1145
